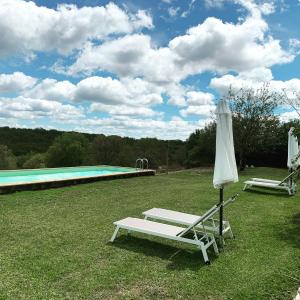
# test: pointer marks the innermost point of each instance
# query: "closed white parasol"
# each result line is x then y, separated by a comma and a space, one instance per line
292, 150
225, 171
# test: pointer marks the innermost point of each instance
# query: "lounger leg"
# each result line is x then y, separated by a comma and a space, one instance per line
204, 253
215, 247
115, 234
230, 231
245, 187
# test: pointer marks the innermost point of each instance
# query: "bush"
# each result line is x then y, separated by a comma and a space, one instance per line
36, 161
67, 150
7, 159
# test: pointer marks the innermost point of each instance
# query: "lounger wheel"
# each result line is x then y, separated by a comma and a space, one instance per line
207, 262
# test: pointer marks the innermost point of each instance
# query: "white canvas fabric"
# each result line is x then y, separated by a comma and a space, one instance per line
225, 165
293, 149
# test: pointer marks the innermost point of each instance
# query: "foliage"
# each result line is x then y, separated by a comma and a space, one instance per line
22, 141
254, 123
269, 149
100, 149
67, 150
36, 161
115, 150
201, 146
7, 159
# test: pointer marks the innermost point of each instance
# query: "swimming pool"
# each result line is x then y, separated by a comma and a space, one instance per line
43, 178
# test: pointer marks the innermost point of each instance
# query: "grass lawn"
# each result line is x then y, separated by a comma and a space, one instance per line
54, 243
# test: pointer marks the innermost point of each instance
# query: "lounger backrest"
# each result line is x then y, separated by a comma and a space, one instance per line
207, 215
201, 219
289, 176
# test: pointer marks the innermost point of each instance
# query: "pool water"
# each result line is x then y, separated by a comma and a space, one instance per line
57, 174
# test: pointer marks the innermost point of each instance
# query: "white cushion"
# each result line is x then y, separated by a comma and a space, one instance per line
149, 227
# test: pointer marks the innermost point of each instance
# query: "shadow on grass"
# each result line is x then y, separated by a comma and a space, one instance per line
268, 192
178, 258
289, 232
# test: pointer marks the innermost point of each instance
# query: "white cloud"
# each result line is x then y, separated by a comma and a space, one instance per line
295, 45
189, 10
15, 82
249, 79
133, 92
176, 128
141, 20
267, 8
255, 79
214, 3
201, 48
199, 104
52, 89
211, 46
118, 97
201, 111
199, 98
132, 56
254, 7
26, 27
173, 11
288, 116
27, 108
124, 110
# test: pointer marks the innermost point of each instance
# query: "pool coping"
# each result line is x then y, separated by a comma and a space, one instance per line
44, 184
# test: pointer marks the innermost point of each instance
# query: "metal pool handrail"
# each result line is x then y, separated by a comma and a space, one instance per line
139, 164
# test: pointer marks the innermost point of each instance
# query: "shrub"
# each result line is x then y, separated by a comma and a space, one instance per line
67, 150
7, 159
36, 161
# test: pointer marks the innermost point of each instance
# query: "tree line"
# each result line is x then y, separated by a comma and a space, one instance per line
260, 139
39, 148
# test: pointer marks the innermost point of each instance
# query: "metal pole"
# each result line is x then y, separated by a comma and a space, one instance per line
221, 216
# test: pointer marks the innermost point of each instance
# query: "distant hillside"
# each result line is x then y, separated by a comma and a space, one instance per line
22, 141
29, 148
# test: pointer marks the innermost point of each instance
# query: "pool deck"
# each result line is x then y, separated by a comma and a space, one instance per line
46, 184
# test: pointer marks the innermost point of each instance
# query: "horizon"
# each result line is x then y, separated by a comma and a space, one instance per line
138, 69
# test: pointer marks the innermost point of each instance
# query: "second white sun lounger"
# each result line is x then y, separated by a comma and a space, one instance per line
287, 184
211, 224
191, 234
177, 217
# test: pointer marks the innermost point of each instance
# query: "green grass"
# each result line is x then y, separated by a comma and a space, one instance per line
54, 243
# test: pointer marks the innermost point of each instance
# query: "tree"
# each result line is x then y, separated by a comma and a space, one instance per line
36, 161
7, 159
67, 150
291, 99
112, 150
201, 146
254, 122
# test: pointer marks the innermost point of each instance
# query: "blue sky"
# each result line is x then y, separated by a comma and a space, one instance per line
140, 68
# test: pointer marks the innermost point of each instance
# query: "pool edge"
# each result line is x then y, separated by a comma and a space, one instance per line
39, 185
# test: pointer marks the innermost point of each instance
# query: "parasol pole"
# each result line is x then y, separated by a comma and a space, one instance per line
221, 215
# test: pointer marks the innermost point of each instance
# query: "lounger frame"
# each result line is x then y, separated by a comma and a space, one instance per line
202, 239
287, 184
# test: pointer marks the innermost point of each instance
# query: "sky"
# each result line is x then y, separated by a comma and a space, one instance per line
140, 68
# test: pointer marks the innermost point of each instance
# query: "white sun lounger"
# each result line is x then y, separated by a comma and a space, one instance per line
212, 225
287, 184
201, 239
